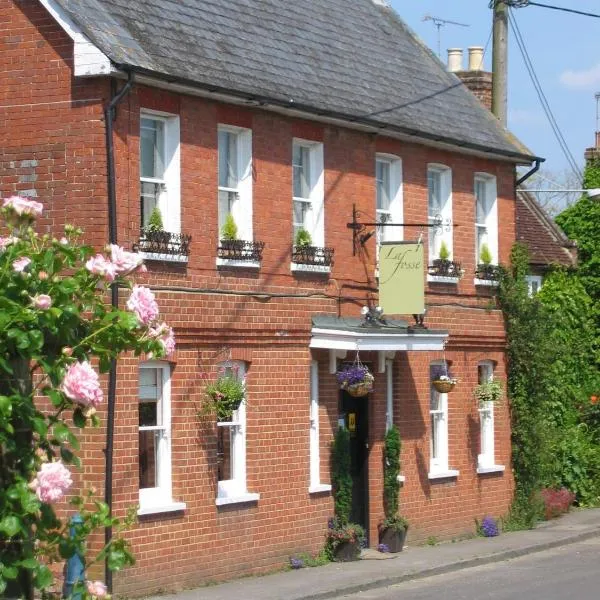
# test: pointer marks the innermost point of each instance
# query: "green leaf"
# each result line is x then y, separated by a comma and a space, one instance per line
61, 432
43, 577
55, 397
10, 572
29, 563
5, 405
11, 525
78, 418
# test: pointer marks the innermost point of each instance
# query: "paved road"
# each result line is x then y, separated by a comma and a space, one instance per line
567, 573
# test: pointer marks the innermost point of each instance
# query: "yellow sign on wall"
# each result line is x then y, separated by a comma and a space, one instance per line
402, 278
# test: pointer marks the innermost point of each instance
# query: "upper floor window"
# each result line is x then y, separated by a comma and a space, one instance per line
388, 181
486, 220
308, 190
154, 439
160, 170
439, 206
534, 284
235, 179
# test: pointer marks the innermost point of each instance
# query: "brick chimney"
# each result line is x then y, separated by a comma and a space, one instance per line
475, 78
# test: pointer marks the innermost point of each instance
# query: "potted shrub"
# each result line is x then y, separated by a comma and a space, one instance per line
443, 266
225, 395
303, 239
356, 379
490, 391
343, 538
155, 222
442, 380
231, 245
393, 529
485, 268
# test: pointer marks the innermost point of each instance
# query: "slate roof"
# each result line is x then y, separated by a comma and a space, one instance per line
545, 240
352, 58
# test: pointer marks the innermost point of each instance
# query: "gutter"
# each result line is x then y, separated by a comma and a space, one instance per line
109, 117
534, 169
350, 120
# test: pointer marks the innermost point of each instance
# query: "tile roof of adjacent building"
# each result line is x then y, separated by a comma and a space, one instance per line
351, 59
545, 240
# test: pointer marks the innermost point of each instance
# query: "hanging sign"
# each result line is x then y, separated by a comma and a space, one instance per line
402, 278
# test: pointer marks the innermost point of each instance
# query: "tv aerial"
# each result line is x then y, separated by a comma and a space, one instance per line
439, 23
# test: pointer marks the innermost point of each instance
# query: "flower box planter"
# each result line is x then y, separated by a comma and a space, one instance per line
445, 268
347, 551
312, 255
443, 386
488, 272
240, 250
393, 538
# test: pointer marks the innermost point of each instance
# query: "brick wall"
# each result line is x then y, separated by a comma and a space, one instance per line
53, 144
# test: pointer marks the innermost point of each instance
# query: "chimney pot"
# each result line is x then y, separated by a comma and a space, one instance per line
475, 58
455, 59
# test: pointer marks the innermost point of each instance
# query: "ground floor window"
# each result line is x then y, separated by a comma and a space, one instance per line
485, 374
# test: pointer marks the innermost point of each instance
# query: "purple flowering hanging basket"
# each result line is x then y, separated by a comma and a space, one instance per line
356, 380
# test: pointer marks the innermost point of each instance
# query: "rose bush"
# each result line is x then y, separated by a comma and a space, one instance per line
57, 334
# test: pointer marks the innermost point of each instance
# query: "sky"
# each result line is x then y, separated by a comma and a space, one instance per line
565, 52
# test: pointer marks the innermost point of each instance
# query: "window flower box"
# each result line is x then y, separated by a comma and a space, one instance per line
485, 272
445, 268
240, 250
312, 255
164, 245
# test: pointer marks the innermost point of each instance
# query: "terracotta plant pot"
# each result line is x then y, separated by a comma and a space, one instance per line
346, 552
393, 539
443, 386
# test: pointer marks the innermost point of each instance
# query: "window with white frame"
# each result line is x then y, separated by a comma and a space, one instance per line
231, 447
160, 169
308, 189
389, 380
439, 205
534, 284
485, 374
154, 425
388, 181
235, 178
315, 453
438, 413
486, 216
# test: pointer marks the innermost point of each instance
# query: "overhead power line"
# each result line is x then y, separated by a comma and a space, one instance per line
522, 3
542, 97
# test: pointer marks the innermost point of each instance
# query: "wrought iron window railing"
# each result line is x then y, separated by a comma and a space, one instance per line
312, 255
240, 250
488, 272
445, 268
164, 242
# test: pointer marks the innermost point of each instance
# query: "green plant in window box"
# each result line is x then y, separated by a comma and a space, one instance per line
229, 231
303, 238
444, 252
485, 255
155, 222
490, 391
224, 395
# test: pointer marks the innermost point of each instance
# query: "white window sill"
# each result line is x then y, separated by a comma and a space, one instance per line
443, 474
238, 264
161, 508
301, 268
401, 478
319, 488
241, 499
174, 258
486, 282
491, 469
440, 279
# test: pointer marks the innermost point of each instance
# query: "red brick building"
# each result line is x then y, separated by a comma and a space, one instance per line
272, 113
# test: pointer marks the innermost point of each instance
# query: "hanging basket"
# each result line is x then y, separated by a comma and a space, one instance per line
443, 386
361, 389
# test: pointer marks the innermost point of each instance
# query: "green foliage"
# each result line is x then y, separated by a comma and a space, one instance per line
225, 395
432, 541
490, 391
303, 237
391, 470
229, 231
444, 252
485, 254
341, 477
41, 342
155, 222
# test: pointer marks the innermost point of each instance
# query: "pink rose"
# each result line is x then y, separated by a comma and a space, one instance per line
96, 589
43, 275
21, 264
143, 304
23, 206
51, 482
82, 385
124, 261
164, 334
42, 301
7, 241
100, 265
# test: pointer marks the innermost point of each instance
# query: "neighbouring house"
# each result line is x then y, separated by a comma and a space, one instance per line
547, 244
322, 116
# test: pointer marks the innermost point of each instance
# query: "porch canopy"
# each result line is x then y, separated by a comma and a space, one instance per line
388, 335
